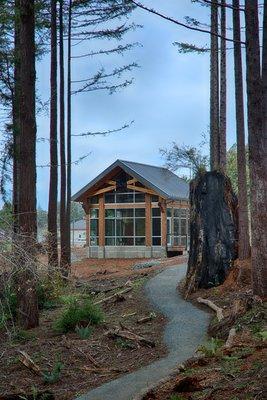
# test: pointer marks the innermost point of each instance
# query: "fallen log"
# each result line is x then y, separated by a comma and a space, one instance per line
113, 296
143, 320
128, 335
214, 307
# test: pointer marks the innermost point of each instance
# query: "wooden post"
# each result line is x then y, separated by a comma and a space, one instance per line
101, 220
87, 220
148, 220
163, 209
86, 208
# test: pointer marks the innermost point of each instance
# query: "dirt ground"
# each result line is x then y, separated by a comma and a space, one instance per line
109, 268
218, 372
90, 362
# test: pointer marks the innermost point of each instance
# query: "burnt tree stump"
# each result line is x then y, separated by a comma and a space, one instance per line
213, 230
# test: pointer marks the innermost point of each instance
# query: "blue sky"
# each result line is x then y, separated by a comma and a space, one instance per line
168, 101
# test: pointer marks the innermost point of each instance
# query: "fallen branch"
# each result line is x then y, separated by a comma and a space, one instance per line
210, 304
90, 358
25, 359
230, 339
114, 295
129, 315
145, 319
128, 335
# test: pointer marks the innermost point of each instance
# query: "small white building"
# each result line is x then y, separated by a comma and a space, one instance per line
78, 233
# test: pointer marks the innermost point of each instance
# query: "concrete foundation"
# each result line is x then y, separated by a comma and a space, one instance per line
126, 252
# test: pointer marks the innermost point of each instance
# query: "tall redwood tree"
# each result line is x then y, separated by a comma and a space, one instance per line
53, 184
243, 224
27, 227
257, 146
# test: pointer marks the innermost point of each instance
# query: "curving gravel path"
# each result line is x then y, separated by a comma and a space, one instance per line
185, 330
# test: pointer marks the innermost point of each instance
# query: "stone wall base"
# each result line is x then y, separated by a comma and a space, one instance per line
126, 252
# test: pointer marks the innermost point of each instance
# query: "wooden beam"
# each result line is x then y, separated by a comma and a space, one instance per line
148, 220
87, 220
104, 190
112, 183
163, 209
131, 181
101, 221
140, 189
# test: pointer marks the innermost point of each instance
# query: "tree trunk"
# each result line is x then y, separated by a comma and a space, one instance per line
213, 230
214, 90
26, 278
15, 118
243, 224
53, 186
223, 92
68, 208
257, 138
63, 232
264, 64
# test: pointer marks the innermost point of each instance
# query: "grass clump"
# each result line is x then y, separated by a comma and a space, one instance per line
54, 375
77, 314
84, 332
212, 348
22, 336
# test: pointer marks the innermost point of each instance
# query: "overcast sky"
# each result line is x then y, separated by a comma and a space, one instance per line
168, 100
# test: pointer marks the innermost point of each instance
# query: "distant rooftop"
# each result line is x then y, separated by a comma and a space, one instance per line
160, 179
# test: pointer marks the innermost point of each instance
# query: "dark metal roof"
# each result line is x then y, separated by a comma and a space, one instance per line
161, 180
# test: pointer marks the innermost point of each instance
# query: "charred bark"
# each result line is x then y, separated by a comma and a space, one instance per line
213, 230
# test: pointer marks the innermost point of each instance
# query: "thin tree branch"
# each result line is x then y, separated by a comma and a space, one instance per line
152, 11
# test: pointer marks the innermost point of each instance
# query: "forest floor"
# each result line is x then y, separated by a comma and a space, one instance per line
86, 363
219, 372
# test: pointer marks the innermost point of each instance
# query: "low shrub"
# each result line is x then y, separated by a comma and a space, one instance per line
211, 348
49, 291
78, 314
55, 374
84, 332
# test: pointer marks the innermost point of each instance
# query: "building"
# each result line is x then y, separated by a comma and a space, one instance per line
78, 233
135, 210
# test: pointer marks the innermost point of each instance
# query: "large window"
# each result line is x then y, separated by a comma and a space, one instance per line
177, 226
94, 227
124, 197
156, 227
125, 227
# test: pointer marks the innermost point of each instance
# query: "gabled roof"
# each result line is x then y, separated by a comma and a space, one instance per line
161, 180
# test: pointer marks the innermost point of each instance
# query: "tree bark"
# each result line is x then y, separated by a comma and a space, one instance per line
213, 230
15, 118
27, 298
257, 138
243, 224
68, 207
63, 232
214, 90
53, 185
264, 64
223, 91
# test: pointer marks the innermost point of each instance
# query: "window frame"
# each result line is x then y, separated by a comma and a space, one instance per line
116, 218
